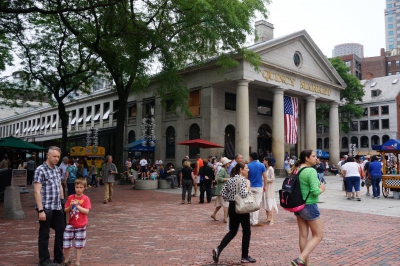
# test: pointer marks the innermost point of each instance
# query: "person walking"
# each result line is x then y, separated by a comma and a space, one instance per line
186, 180
70, 176
309, 217
320, 170
199, 164
108, 175
228, 193
63, 170
93, 174
269, 201
30, 170
49, 196
206, 178
258, 181
375, 171
222, 178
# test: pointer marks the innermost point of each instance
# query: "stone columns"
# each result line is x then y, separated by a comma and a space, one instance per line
311, 123
242, 118
278, 128
334, 142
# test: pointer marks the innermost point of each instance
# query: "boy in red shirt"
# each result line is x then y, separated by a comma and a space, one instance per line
78, 206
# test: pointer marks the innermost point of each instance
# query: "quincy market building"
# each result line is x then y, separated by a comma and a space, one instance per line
240, 108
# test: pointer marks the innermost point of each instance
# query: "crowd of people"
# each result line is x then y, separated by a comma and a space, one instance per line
210, 177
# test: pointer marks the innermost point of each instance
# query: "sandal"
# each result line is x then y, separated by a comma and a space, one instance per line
66, 262
213, 216
271, 223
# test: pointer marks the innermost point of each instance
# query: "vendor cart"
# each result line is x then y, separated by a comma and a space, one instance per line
390, 178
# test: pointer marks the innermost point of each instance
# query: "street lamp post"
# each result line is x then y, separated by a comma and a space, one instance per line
148, 125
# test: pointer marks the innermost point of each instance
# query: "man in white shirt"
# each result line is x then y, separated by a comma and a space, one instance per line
143, 167
158, 162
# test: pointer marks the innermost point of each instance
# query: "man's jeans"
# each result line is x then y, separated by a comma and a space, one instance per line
54, 219
321, 177
375, 180
257, 192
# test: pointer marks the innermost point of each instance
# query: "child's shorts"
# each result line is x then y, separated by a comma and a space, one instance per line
70, 233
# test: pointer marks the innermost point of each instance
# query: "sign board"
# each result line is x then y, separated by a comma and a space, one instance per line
88, 151
18, 178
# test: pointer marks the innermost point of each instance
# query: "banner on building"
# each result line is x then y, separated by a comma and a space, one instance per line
291, 111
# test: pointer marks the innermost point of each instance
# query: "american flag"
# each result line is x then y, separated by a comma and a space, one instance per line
291, 106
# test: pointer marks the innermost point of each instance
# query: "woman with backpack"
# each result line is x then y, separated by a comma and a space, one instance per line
70, 176
309, 217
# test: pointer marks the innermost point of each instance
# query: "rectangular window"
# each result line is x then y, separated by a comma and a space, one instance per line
148, 105
54, 122
80, 117
374, 124
385, 110
390, 12
397, 63
230, 101
390, 26
385, 123
375, 93
115, 109
365, 112
354, 126
389, 5
132, 111
73, 117
326, 129
389, 63
391, 47
319, 128
169, 106
96, 113
106, 110
374, 111
390, 33
363, 125
48, 122
390, 39
264, 107
390, 19
194, 102
88, 114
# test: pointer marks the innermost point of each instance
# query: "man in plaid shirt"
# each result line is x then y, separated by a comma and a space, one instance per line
48, 196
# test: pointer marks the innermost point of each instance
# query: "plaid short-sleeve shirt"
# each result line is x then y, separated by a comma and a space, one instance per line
50, 180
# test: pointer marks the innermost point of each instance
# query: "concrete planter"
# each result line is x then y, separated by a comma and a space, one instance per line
146, 184
162, 184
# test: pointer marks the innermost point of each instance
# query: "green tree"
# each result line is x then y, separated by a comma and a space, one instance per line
54, 64
353, 93
134, 37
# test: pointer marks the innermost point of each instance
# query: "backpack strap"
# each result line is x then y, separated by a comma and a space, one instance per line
298, 174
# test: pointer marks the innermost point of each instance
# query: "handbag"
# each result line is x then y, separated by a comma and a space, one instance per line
362, 175
247, 204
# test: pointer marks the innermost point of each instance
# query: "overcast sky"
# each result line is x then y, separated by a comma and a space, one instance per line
332, 22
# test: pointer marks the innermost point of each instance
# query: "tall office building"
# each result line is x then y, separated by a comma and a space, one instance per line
391, 28
348, 49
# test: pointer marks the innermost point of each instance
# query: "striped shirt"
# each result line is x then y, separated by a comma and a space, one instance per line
50, 180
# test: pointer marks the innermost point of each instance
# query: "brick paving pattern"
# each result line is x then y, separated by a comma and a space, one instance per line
154, 228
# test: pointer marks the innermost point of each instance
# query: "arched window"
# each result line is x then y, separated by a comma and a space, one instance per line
385, 138
230, 141
131, 136
354, 140
345, 142
319, 143
364, 142
326, 143
375, 140
194, 133
170, 143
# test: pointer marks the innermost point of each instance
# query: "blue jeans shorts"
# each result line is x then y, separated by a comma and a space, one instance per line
309, 213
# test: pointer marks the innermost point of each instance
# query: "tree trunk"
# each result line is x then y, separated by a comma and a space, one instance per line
62, 113
120, 134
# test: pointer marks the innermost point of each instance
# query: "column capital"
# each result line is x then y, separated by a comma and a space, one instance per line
243, 81
311, 98
278, 90
334, 104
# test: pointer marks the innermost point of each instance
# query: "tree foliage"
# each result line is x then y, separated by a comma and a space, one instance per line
136, 38
353, 93
54, 64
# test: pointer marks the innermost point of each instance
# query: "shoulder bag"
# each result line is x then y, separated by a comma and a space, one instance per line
247, 204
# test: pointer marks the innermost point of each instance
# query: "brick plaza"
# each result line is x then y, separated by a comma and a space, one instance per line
153, 228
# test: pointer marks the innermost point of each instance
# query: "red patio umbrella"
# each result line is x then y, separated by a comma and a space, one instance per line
199, 143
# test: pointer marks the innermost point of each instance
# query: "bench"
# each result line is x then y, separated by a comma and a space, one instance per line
146, 184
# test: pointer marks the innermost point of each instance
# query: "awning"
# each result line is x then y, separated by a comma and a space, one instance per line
390, 145
137, 146
322, 154
367, 152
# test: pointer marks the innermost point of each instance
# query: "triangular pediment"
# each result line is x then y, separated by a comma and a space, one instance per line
279, 53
